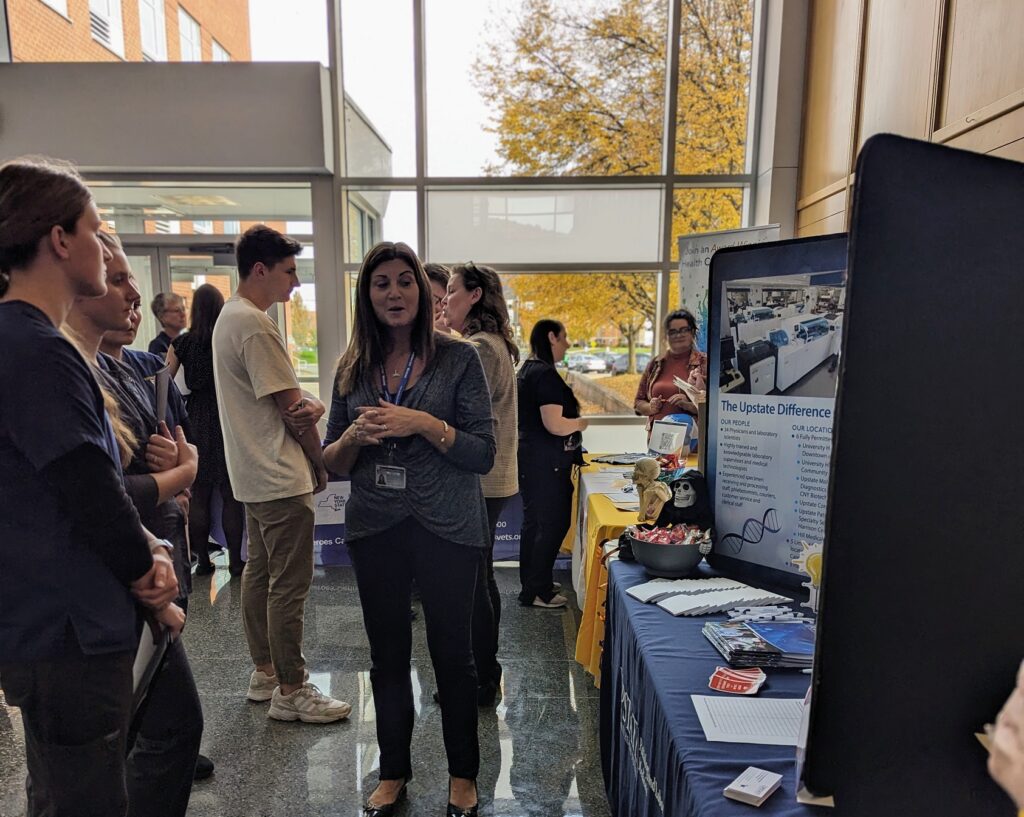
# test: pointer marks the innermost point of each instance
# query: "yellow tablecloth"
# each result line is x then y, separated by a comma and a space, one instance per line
604, 521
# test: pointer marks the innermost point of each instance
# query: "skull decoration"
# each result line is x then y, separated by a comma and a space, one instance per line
685, 495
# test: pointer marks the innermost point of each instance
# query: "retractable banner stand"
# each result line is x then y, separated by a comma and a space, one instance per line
921, 625
776, 318
695, 253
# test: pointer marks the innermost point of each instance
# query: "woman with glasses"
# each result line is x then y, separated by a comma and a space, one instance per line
658, 395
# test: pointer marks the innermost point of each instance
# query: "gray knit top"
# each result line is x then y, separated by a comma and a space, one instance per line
442, 490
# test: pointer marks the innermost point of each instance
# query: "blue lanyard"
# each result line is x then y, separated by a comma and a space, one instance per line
397, 400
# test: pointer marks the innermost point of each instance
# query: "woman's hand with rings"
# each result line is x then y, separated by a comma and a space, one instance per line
367, 429
161, 451
395, 421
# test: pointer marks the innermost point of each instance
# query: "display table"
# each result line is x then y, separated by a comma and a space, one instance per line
656, 761
596, 519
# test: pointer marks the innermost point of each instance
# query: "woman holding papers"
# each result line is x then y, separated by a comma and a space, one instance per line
658, 395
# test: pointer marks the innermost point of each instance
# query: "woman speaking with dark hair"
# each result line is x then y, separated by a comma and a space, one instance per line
658, 395
475, 308
194, 351
550, 440
411, 423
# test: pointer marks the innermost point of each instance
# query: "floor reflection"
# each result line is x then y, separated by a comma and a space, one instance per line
538, 746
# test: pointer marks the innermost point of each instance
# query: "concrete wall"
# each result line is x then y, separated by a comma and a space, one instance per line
159, 117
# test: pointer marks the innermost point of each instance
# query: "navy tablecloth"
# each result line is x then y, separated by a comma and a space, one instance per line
655, 758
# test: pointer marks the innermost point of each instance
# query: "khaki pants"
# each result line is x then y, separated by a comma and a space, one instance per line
276, 582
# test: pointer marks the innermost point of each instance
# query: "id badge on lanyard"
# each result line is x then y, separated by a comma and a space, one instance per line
391, 476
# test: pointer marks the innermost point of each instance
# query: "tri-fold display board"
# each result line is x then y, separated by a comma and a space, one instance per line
921, 625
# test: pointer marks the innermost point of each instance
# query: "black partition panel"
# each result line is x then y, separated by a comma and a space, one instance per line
921, 626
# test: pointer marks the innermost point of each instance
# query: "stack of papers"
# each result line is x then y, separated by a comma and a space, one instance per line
657, 589
763, 643
697, 597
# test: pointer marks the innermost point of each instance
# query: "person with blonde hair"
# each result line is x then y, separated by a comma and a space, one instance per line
164, 748
74, 558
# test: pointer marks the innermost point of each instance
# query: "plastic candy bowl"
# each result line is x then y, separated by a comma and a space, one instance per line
667, 561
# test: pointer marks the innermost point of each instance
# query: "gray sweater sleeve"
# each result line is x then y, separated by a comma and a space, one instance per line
474, 446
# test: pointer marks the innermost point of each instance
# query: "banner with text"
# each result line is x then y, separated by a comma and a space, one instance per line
695, 253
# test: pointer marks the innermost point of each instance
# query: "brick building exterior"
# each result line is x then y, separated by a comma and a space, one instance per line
42, 31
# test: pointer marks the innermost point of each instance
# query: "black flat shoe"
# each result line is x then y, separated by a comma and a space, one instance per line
236, 569
205, 569
387, 809
204, 768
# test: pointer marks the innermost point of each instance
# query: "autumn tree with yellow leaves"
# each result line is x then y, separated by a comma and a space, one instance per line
579, 89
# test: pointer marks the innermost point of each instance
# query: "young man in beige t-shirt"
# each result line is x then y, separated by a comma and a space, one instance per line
272, 450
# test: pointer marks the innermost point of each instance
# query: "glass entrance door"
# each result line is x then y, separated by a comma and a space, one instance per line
182, 269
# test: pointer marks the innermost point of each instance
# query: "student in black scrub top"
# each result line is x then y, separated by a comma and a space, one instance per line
73, 553
550, 437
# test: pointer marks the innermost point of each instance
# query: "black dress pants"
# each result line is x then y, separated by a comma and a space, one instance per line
487, 608
546, 489
75, 711
168, 730
446, 574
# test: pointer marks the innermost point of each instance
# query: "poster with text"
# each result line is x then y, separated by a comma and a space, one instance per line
778, 349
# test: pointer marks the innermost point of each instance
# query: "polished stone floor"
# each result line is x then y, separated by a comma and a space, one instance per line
539, 748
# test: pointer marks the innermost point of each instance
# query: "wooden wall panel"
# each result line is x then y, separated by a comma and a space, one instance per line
900, 44
830, 206
833, 56
991, 136
984, 55
825, 226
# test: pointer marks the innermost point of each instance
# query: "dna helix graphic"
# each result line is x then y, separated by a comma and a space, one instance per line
753, 531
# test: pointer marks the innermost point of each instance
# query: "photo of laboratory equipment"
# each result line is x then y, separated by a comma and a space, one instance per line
783, 335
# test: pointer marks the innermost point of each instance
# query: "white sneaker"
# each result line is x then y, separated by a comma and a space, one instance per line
556, 602
261, 686
307, 704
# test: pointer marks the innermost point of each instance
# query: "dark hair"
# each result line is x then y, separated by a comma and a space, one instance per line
36, 195
490, 313
160, 304
540, 346
207, 302
369, 345
261, 243
681, 315
438, 273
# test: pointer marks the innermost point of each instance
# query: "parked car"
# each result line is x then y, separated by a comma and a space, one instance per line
621, 363
586, 363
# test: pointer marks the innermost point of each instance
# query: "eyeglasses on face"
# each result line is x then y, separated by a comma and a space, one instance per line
679, 333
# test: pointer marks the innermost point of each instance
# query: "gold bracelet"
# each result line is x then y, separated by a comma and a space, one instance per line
444, 434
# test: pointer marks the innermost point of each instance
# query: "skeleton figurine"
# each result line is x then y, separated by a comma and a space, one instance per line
651, 493
689, 506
